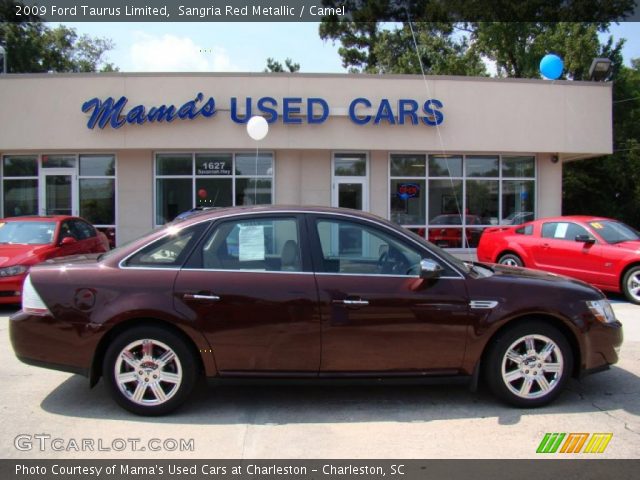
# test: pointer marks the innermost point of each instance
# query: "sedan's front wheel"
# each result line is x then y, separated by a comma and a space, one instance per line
529, 365
149, 370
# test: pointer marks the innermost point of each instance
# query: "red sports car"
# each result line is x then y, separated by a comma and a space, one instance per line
25, 241
597, 250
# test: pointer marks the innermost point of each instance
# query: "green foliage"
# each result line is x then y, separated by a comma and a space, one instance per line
33, 47
439, 51
275, 66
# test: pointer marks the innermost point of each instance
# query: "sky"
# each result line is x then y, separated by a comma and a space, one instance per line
241, 47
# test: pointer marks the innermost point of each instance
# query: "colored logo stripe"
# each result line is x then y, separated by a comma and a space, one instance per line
550, 443
574, 442
598, 442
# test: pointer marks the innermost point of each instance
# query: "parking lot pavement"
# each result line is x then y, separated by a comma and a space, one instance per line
314, 422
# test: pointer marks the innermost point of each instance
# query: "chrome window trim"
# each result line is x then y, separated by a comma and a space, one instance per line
291, 212
222, 270
381, 275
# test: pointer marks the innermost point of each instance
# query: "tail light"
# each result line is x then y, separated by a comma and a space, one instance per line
31, 301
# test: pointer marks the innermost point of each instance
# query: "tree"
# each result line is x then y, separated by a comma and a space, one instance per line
515, 35
438, 52
275, 66
516, 48
33, 47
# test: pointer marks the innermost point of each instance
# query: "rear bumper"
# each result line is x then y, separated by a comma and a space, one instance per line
46, 342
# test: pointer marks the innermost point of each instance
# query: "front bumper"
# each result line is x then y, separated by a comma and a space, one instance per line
11, 289
603, 346
44, 341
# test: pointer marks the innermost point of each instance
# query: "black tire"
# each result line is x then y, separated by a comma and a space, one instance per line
170, 370
630, 285
545, 383
510, 259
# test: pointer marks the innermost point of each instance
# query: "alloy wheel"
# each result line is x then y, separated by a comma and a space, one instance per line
148, 372
532, 366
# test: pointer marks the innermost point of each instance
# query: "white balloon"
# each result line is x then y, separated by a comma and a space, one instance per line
257, 127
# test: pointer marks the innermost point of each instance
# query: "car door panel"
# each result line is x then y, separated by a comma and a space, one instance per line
260, 322
396, 324
258, 309
385, 322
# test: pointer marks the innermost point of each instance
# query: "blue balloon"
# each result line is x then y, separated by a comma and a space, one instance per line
551, 66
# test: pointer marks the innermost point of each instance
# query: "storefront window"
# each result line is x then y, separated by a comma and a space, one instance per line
461, 194
97, 200
408, 165
97, 192
97, 165
350, 165
58, 161
445, 166
174, 196
185, 181
481, 166
174, 164
518, 167
253, 191
20, 185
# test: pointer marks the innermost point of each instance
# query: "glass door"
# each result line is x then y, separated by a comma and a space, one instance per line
349, 190
350, 181
59, 192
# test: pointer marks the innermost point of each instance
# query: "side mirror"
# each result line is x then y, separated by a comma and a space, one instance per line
429, 269
68, 241
585, 239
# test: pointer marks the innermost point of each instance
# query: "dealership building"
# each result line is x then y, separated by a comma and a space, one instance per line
131, 151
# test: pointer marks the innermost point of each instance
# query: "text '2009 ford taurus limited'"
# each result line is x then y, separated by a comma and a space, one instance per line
306, 292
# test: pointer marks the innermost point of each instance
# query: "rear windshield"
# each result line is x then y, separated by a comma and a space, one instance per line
28, 233
614, 232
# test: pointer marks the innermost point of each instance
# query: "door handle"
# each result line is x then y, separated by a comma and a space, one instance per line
351, 302
200, 296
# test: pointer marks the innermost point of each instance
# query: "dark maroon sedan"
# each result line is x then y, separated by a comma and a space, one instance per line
306, 292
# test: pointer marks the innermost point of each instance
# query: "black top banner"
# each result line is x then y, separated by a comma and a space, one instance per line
596, 11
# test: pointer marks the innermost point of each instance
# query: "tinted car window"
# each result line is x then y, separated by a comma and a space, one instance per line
269, 244
82, 230
563, 230
349, 247
168, 251
525, 230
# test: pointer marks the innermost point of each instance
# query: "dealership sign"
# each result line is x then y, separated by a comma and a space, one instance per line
289, 110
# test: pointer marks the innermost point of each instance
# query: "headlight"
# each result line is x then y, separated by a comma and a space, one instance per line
13, 271
601, 309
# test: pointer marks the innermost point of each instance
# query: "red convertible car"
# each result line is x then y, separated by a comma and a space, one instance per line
597, 250
25, 241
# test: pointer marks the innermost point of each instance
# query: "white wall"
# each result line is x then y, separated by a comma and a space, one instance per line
480, 114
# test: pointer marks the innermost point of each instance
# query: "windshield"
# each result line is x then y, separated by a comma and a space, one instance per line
27, 233
614, 232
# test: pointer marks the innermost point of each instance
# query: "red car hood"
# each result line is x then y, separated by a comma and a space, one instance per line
632, 245
20, 254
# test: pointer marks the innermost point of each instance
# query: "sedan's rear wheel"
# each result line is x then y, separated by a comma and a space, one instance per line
510, 259
149, 370
529, 365
631, 285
